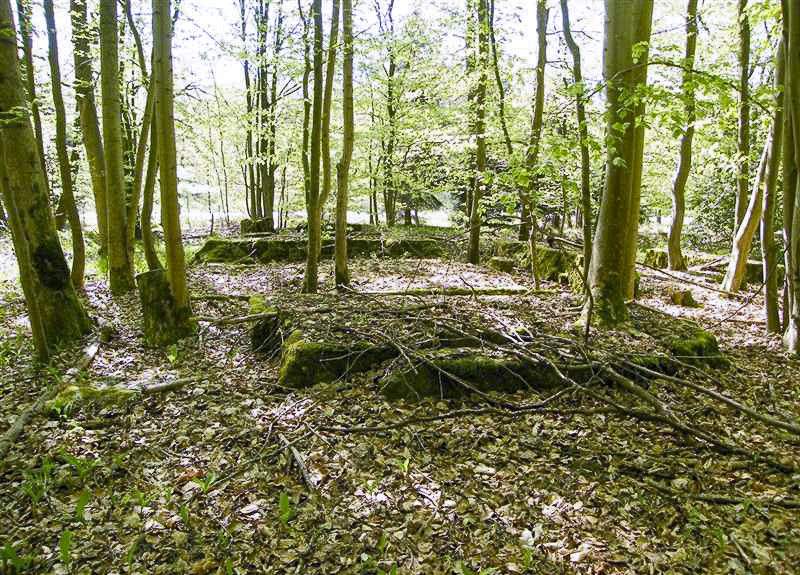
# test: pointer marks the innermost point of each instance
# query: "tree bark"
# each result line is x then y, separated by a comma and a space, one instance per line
327, 100
148, 241
791, 15
642, 22
87, 110
310, 278
389, 188
55, 313
26, 34
583, 138
674, 254
65, 169
342, 273
610, 266
482, 65
769, 250
743, 142
120, 267
179, 324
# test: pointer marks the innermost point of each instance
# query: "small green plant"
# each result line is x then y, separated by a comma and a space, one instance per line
65, 549
184, 513
80, 505
392, 571
172, 354
229, 566
285, 509
82, 466
13, 564
207, 481
37, 482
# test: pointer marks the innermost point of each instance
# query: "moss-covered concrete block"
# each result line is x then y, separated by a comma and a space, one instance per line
439, 376
74, 397
305, 363
417, 248
657, 258
502, 264
256, 226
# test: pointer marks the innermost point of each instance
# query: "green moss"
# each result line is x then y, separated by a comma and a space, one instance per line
656, 258
697, 347
484, 373
74, 397
306, 363
418, 248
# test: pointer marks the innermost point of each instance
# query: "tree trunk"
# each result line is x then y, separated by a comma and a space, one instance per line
482, 64
791, 12
55, 313
342, 273
790, 179
674, 253
583, 138
120, 267
310, 278
65, 169
177, 321
272, 158
743, 143
250, 186
90, 129
769, 251
389, 187
327, 99
642, 22
610, 266
534, 144
306, 106
148, 241
26, 34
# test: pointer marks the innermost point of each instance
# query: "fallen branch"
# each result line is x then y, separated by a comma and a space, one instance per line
298, 458
88, 355
451, 291
722, 499
688, 281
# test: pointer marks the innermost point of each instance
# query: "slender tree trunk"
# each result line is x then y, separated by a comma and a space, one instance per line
501, 91
342, 273
482, 64
272, 158
87, 110
674, 253
769, 250
532, 153
55, 313
583, 138
790, 179
642, 20
26, 34
165, 127
389, 187
610, 266
743, 143
65, 169
327, 100
120, 268
791, 14
148, 241
310, 279
248, 147
306, 106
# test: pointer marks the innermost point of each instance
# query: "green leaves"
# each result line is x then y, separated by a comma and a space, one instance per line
285, 512
65, 548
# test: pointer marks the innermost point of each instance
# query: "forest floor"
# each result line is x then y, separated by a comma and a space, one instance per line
199, 479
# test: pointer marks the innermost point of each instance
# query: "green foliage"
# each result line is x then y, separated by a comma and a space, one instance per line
12, 563
36, 483
285, 512
65, 549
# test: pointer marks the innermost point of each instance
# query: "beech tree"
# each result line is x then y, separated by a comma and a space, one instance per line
675, 255
87, 111
310, 278
55, 313
791, 17
64, 167
120, 266
342, 274
611, 271
479, 128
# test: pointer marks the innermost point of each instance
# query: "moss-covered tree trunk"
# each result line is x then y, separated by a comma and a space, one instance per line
674, 252
342, 273
311, 276
87, 110
65, 169
148, 240
120, 267
164, 295
56, 314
